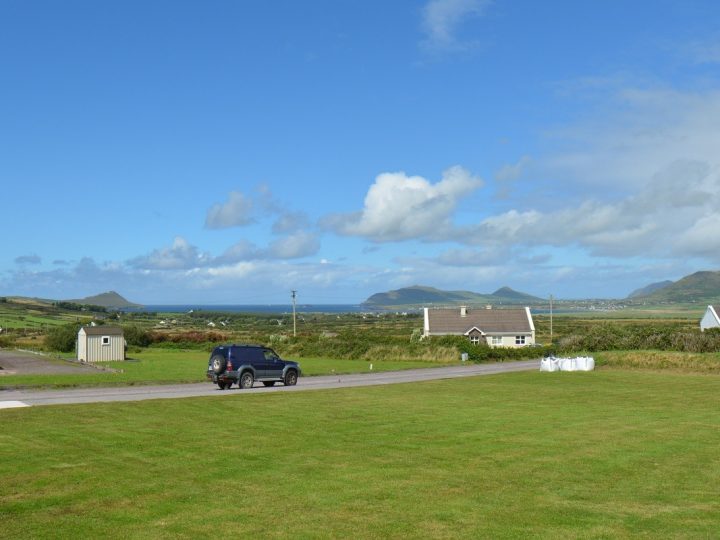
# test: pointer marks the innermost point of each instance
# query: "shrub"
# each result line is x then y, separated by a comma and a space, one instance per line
62, 338
136, 336
615, 337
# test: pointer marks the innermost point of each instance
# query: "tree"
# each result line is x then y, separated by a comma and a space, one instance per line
62, 338
137, 336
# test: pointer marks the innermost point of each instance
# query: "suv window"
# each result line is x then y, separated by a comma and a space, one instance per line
270, 355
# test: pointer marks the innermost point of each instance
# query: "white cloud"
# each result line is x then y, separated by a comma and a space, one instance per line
667, 217
290, 222
641, 180
701, 238
401, 207
511, 172
442, 18
181, 255
236, 212
244, 250
469, 257
294, 246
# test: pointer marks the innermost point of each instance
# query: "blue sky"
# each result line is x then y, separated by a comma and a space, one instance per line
230, 152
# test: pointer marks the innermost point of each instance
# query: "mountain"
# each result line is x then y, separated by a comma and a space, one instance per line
649, 289
418, 296
109, 299
512, 296
701, 288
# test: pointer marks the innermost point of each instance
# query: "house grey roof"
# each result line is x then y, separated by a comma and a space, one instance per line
103, 330
451, 321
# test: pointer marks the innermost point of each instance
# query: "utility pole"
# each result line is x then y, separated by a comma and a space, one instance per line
551, 321
294, 323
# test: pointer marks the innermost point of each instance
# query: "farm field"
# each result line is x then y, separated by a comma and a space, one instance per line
591, 455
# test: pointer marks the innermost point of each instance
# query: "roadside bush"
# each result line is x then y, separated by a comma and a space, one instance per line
62, 338
618, 337
192, 338
136, 336
482, 352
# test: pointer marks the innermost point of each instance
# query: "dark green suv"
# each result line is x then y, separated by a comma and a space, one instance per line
245, 364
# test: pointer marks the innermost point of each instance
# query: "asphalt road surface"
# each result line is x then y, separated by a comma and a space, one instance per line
26, 398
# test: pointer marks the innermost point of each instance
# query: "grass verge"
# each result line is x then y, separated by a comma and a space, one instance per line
172, 366
580, 455
708, 363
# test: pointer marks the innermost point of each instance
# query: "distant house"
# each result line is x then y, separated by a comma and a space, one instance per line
100, 344
497, 327
710, 319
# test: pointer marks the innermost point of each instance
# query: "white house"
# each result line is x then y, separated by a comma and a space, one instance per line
710, 319
497, 327
100, 344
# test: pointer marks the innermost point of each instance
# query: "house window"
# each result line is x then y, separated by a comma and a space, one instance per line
474, 339
519, 340
496, 340
106, 340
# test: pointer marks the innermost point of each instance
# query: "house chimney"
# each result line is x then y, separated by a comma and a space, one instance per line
463, 311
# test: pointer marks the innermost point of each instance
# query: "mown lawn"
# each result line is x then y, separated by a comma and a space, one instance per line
605, 454
169, 366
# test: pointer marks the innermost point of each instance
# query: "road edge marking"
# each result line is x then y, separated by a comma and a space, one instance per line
12, 404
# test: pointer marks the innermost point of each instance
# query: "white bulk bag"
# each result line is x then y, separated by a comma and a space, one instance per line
567, 364
549, 364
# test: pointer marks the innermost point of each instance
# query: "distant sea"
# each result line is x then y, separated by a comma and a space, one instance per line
256, 308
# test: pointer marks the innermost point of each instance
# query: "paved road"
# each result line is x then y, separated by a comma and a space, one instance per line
25, 398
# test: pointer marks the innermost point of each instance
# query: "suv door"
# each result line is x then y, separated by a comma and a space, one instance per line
273, 364
257, 360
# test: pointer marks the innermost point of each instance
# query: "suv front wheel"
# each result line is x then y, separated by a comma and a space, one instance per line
246, 380
291, 378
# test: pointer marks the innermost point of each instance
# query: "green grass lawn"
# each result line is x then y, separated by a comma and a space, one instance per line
605, 454
167, 366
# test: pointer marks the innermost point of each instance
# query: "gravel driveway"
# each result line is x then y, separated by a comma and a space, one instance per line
21, 363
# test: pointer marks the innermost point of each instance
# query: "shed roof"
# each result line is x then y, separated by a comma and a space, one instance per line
103, 330
451, 321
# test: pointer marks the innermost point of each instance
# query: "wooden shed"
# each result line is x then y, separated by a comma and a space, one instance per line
100, 344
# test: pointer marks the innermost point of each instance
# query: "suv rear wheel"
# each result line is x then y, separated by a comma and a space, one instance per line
291, 378
246, 380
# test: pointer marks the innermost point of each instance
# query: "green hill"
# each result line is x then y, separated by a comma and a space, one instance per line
698, 288
516, 297
109, 299
649, 289
418, 296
